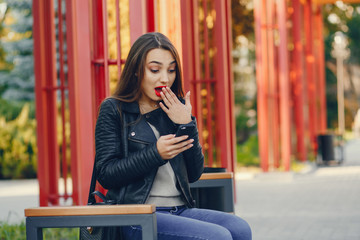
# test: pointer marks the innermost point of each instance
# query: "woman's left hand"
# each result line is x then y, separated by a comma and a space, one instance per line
179, 113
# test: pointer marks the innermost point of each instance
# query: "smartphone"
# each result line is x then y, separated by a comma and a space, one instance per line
184, 130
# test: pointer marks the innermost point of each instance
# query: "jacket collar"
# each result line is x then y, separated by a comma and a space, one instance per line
130, 107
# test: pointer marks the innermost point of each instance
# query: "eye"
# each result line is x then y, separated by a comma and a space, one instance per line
154, 70
172, 70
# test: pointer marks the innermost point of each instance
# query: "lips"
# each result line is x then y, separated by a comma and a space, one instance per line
158, 90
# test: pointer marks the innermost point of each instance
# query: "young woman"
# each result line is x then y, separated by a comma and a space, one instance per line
148, 151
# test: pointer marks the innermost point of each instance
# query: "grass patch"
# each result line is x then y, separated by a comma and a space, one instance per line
18, 232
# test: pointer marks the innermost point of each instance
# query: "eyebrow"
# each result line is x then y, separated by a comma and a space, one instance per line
156, 62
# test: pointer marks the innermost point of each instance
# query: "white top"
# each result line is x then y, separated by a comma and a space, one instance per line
164, 192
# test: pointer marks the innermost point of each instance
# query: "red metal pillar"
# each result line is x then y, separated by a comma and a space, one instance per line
46, 110
231, 85
261, 79
311, 83
320, 63
99, 54
298, 81
223, 87
142, 15
80, 97
191, 57
142, 18
151, 16
273, 93
284, 86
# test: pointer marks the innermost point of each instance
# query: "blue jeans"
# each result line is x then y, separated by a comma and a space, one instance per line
182, 223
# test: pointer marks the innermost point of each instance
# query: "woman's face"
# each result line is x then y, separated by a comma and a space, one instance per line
160, 71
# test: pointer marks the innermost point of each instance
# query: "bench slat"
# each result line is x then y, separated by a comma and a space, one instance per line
220, 175
90, 210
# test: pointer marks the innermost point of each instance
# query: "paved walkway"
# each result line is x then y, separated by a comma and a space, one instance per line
323, 204
320, 205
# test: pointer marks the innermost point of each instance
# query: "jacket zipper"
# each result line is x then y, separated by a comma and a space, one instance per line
138, 141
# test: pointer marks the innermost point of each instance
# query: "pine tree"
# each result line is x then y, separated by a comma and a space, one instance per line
17, 81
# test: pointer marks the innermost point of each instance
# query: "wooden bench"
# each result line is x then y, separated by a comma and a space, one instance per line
214, 191
121, 215
97, 215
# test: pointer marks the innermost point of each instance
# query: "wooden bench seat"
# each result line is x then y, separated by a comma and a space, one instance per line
96, 215
121, 215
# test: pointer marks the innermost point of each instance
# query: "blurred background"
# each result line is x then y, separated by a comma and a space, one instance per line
18, 148
275, 89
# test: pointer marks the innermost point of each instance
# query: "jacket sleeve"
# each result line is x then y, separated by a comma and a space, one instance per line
194, 157
113, 169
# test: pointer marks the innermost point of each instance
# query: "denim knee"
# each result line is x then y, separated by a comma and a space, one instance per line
242, 231
216, 232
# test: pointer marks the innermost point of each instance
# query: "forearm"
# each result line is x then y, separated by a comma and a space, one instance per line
114, 172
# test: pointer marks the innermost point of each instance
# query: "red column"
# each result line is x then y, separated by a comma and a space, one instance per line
99, 54
320, 66
151, 16
45, 95
80, 97
191, 58
231, 84
139, 16
273, 93
311, 83
284, 86
224, 120
298, 81
261, 79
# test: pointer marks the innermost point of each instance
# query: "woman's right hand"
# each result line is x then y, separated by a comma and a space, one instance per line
169, 145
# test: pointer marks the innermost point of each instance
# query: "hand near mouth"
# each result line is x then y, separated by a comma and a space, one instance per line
179, 113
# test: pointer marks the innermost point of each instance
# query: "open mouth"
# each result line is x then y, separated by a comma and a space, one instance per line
158, 90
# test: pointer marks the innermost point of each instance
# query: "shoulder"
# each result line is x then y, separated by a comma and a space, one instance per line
130, 107
109, 105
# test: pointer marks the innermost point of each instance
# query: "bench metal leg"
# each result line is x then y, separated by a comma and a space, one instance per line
33, 232
34, 225
149, 228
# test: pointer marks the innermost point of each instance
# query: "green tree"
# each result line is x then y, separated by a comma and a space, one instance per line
17, 80
345, 18
244, 68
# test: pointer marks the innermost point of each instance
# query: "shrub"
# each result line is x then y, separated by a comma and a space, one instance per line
248, 152
18, 148
11, 109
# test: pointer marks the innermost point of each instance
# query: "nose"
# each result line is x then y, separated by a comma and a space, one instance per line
164, 78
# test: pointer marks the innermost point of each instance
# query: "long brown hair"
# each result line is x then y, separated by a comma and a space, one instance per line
128, 87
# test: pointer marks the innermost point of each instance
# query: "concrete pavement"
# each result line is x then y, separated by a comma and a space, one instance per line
320, 204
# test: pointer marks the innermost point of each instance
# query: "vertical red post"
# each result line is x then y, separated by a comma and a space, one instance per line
99, 54
138, 14
191, 58
298, 80
311, 86
151, 16
284, 86
46, 110
224, 119
231, 83
80, 97
261, 79
320, 63
273, 94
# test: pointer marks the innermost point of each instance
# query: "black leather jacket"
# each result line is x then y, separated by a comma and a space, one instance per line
127, 158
